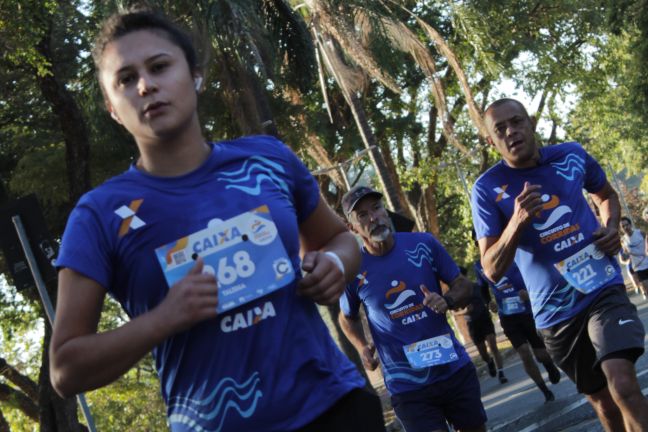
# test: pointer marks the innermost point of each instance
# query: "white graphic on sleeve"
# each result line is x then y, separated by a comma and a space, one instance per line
570, 166
227, 396
501, 193
125, 212
129, 220
624, 322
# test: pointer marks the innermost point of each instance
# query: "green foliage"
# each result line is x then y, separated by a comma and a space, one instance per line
21, 329
131, 403
601, 120
455, 219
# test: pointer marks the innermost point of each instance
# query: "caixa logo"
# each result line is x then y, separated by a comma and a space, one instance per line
248, 318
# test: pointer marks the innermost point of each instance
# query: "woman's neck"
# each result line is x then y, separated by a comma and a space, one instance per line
173, 156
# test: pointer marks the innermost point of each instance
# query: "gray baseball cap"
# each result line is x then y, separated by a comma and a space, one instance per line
351, 198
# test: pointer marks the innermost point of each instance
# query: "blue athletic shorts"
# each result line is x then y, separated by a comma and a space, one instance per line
456, 400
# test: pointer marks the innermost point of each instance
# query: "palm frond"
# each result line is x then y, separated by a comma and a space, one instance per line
292, 42
339, 26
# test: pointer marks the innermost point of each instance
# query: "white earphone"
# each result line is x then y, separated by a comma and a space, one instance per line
197, 83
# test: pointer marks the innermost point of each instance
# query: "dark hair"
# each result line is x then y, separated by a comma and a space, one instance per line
123, 23
503, 101
625, 218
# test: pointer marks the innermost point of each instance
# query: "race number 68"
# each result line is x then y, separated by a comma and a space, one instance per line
242, 266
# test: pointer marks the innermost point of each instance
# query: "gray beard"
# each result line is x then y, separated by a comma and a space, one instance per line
380, 235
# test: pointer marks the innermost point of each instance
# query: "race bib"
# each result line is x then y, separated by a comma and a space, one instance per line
587, 270
512, 305
245, 253
431, 352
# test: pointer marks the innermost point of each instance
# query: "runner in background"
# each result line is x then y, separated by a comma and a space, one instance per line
624, 259
482, 331
633, 244
511, 302
427, 372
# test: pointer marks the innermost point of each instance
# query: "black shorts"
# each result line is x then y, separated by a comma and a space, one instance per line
456, 400
642, 274
481, 327
608, 328
520, 329
358, 410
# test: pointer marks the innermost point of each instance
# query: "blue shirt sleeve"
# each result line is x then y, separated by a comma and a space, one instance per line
350, 302
85, 246
487, 219
447, 269
305, 190
595, 177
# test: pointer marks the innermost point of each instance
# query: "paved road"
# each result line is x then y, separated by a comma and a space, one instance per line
519, 406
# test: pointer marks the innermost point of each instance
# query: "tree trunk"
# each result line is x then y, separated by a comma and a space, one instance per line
430, 204
331, 55
314, 147
4, 426
435, 149
444, 48
422, 57
55, 414
394, 179
29, 387
72, 123
389, 187
19, 400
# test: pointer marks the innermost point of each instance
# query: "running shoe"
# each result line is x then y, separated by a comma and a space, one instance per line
549, 396
502, 378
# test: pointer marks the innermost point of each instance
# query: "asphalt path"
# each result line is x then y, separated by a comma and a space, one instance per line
519, 405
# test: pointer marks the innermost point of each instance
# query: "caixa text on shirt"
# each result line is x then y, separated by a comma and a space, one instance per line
248, 318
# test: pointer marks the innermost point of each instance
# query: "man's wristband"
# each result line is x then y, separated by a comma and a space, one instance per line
450, 302
337, 260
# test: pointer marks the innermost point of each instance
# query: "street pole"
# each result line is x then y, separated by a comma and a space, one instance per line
463, 181
47, 303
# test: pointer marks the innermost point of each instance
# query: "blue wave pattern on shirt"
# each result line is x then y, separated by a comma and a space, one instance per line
403, 371
420, 253
562, 299
229, 394
570, 166
254, 171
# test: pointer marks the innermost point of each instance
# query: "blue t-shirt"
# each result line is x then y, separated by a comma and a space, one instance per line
389, 288
506, 290
562, 229
268, 365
